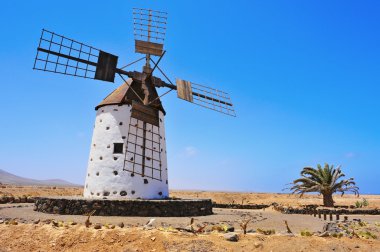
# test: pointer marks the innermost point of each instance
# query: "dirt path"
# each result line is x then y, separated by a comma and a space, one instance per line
260, 218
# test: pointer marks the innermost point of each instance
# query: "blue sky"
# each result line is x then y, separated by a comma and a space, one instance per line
303, 76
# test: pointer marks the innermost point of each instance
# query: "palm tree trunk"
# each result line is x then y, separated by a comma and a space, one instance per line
328, 200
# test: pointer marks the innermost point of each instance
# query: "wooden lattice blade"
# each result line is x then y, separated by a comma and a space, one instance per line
149, 26
204, 96
58, 54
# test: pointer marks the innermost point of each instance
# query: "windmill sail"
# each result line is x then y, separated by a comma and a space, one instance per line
204, 96
149, 29
58, 54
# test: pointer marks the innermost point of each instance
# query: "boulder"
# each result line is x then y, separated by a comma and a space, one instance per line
97, 226
231, 237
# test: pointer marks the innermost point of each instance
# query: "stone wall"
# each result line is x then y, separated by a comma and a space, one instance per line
133, 207
309, 210
16, 199
240, 206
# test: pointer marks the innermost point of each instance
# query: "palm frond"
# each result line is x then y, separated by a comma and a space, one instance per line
324, 180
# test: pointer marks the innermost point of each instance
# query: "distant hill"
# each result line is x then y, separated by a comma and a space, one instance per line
11, 179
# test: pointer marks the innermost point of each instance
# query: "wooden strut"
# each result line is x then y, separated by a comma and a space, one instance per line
131, 88
143, 150
132, 63
156, 64
158, 97
172, 86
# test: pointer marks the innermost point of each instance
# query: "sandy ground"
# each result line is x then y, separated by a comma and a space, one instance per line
40, 191
28, 237
280, 198
162, 235
219, 197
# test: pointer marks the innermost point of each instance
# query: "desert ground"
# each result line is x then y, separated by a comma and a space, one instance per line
22, 229
218, 197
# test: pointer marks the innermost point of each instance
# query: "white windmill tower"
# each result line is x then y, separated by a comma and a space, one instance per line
128, 150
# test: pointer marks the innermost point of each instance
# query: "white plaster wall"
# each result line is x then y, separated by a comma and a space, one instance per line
105, 176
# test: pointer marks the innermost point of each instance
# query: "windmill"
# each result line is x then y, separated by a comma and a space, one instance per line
128, 150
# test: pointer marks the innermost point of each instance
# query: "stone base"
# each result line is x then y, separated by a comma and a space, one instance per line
131, 207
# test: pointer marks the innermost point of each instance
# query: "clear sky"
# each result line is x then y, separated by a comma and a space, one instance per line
303, 76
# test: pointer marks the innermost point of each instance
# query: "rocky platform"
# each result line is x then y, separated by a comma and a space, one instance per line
133, 207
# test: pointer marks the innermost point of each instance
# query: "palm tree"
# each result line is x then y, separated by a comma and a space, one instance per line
324, 181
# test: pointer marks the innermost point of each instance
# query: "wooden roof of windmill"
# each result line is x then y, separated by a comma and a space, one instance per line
130, 92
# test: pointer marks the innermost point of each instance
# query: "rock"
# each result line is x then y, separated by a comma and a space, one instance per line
45, 206
153, 238
120, 224
258, 245
324, 234
96, 205
23, 199
229, 228
74, 223
56, 209
36, 221
30, 200
97, 226
3, 200
10, 199
149, 224
332, 228
231, 237
156, 211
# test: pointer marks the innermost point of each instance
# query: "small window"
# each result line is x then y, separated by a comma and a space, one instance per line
118, 148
